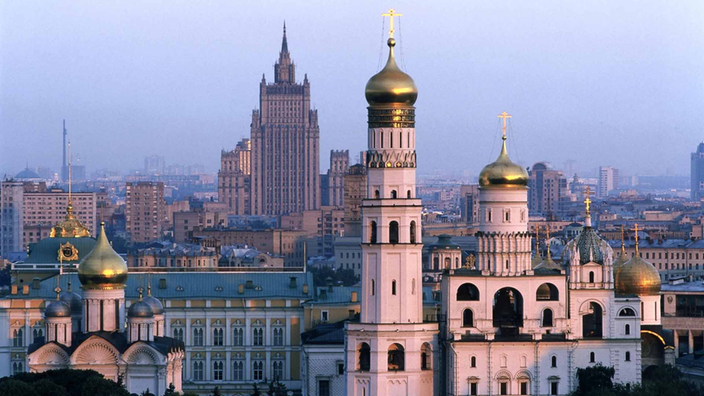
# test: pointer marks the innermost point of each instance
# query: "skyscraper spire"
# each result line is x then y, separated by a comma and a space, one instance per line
284, 43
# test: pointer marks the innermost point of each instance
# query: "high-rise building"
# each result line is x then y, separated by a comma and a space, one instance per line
43, 209
234, 178
154, 165
547, 188
391, 335
145, 210
697, 173
333, 193
285, 144
355, 185
469, 203
608, 180
11, 222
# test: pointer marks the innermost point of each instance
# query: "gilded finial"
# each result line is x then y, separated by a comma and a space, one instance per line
623, 242
391, 14
587, 201
141, 290
635, 228
57, 290
69, 286
504, 115
547, 241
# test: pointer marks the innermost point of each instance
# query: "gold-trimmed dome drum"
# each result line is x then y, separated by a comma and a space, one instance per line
391, 86
638, 277
102, 268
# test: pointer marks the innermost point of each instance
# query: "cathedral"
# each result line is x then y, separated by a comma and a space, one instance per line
510, 323
96, 331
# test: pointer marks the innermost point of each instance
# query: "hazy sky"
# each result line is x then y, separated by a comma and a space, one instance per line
599, 82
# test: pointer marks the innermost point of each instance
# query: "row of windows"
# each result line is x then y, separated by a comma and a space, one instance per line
393, 232
544, 292
237, 336
257, 370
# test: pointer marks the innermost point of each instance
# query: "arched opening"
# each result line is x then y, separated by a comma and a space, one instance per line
426, 357
592, 322
377, 195
436, 263
553, 361
547, 318
508, 311
627, 329
592, 357
628, 356
473, 362
467, 292
393, 194
448, 263
372, 232
363, 361
591, 276
393, 232
393, 288
627, 312
413, 231
396, 358
408, 194
467, 318
547, 292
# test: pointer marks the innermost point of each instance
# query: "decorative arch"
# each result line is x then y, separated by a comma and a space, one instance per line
524, 374
142, 354
363, 357
426, 357
592, 320
95, 350
50, 354
503, 374
467, 318
547, 292
626, 312
467, 292
396, 357
508, 311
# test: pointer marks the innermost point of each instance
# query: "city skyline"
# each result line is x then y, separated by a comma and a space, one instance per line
189, 92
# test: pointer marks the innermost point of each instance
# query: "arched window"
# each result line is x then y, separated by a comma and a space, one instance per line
396, 358
364, 357
547, 318
426, 357
592, 357
592, 321
628, 356
448, 263
467, 318
377, 195
393, 232
553, 361
408, 194
413, 231
393, 194
508, 311
372, 232
627, 312
436, 263
393, 288
627, 329
591, 276
473, 361
547, 292
467, 292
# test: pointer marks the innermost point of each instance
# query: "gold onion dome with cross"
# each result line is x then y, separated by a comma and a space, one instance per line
637, 276
102, 268
503, 172
391, 87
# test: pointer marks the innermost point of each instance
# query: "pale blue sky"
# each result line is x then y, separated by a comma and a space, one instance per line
601, 82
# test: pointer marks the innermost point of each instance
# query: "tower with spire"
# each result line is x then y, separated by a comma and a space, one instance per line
285, 143
391, 350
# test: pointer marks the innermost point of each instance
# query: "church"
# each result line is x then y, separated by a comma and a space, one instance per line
510, 323
88, 332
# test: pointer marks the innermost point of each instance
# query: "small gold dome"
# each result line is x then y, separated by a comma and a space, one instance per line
102, 268
503, 172
639, 277
70, 227
391, 86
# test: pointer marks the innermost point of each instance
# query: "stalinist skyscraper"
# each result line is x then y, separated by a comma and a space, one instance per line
390, 351
285, 144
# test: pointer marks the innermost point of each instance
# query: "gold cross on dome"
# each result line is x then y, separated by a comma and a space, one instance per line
587, 202
504, 115
391, 14
635, 229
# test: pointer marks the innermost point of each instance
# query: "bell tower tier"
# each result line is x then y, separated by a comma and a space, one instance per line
391, 350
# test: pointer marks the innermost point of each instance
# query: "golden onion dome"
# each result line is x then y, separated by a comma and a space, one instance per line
503, 172
639, 277
102, 268
391, 86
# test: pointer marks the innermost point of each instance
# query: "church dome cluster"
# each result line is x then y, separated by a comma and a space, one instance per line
103, 268
153, 302
391, 86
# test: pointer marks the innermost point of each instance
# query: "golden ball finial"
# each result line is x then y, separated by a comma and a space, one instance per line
391, 86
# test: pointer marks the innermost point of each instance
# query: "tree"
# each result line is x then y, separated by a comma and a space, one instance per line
594, 378
255, 391
171, 391
216, 391
5, 277
73, 383
46, 387
13, 387
147, 393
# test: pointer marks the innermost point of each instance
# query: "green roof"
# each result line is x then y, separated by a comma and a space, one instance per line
46, 251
